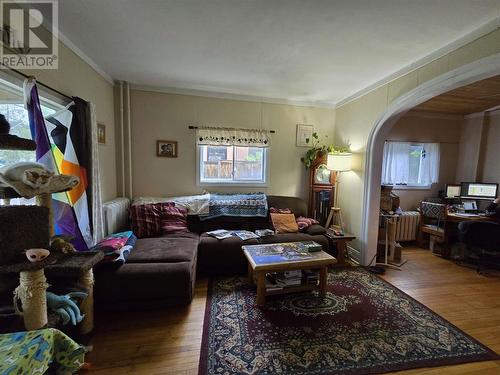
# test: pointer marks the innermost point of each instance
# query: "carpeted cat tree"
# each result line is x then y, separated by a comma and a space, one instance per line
31, 227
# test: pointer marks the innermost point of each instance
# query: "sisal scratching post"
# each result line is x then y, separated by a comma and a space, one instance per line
31, 292
87, 305
391, 230
45, 200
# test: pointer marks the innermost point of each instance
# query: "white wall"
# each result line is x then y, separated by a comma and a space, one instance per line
435, 128
490, 158
480, 148
156, 115
470, 143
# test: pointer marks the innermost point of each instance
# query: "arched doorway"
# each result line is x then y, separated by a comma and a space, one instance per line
465, 75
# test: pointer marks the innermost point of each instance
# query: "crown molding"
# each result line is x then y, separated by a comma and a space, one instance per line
443, 51
60, 36
77, 51
232, 96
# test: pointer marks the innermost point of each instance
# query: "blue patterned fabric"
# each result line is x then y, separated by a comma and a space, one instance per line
246, 205
116, 247
433, 210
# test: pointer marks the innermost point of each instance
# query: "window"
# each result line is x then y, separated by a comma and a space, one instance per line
232, 164
12, 107
410, 164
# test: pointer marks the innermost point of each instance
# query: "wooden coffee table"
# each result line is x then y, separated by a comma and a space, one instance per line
259, 265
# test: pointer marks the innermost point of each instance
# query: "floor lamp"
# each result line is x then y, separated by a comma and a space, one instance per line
337, 162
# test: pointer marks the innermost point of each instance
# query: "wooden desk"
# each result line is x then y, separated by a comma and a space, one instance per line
457, 218
341, 243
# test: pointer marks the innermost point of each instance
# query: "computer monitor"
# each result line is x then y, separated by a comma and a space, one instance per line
478, 190
452, 191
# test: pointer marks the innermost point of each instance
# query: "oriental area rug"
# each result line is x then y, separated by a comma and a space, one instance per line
364, 325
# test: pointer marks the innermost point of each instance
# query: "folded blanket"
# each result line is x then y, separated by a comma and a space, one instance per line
246, 205
116, 247
195, 204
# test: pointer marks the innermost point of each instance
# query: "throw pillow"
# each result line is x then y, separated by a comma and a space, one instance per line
284, 223
274, 210
173, 219
145, 219
305, 222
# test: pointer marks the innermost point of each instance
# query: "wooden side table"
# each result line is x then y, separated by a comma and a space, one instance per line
341, 244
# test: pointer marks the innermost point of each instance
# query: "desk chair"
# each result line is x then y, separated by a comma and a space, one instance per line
433, 218
482, 239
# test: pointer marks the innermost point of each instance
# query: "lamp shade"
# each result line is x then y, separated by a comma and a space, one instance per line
339, 162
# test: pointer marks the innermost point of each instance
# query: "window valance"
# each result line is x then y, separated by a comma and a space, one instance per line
232, 137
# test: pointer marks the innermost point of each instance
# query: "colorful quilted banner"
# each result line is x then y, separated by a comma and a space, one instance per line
63, 147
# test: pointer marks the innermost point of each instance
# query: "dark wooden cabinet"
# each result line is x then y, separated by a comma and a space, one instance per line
321, 189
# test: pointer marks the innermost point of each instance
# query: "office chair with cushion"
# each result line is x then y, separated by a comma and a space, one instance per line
482, 239
433, 218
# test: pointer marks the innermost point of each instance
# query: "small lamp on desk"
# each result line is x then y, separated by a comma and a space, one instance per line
337, 162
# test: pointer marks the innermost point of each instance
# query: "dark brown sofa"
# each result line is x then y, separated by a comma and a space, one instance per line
226, 257
162, 270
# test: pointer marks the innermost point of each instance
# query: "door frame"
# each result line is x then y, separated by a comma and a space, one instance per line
475, 71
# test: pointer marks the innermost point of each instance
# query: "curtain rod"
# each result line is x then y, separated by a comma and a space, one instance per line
38, 82
208, 127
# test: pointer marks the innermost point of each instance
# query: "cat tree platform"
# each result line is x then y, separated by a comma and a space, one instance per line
27, 266
8, 193
33, 286
13, 142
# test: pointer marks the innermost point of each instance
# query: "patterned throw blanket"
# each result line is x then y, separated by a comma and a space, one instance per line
247, 205
35, 352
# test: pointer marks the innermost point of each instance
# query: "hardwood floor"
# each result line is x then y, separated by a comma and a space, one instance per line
168, 341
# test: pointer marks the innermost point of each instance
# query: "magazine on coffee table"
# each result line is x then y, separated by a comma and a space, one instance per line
244, 234
278, 253
220, 234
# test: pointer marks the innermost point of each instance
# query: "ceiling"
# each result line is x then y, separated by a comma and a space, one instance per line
317, 52
476, 97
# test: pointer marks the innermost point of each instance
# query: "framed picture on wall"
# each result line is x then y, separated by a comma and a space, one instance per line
166, 149
101, 134
304, 135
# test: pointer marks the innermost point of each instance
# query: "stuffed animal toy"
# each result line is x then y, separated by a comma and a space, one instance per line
61, 244
37, 255
66, 307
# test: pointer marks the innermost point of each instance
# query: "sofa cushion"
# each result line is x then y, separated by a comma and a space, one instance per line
179, 247
222, 256
315, 229
297, 205
145, 285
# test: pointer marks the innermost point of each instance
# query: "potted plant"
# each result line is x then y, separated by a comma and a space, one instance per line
319, 151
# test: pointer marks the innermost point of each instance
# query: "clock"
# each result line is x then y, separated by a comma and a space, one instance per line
322, 174
321, 189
